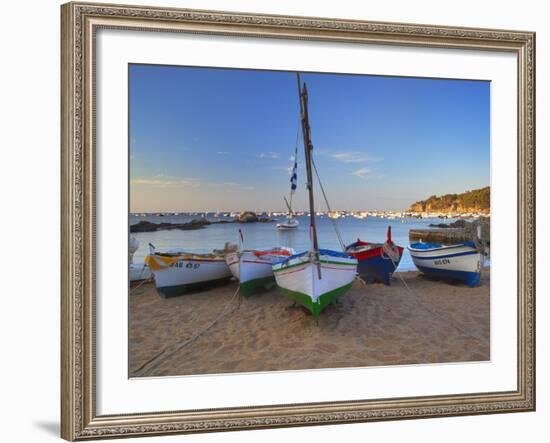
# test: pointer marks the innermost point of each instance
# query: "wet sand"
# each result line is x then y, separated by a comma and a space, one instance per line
371, 325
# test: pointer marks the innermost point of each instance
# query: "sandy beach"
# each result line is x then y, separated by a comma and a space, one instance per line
371, 325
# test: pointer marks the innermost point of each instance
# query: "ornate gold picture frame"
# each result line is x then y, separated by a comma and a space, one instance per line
80, 22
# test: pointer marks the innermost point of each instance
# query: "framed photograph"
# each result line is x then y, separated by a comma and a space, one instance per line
277, 221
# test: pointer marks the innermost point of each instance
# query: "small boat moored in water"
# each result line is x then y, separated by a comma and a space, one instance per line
460, 262
291, 222
253, 267
176, 271
376, 261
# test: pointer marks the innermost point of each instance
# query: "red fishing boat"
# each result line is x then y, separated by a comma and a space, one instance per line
376, 261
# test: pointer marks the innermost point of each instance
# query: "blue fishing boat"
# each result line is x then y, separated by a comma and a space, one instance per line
460, 262
376, 261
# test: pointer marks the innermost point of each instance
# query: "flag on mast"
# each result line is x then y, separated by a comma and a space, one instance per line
294, 176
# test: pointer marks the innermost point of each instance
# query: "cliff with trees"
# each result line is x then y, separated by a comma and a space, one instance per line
476, 201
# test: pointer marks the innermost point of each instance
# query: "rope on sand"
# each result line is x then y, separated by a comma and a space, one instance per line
360, 280
391, 256
166, 353
450, 321
141, 283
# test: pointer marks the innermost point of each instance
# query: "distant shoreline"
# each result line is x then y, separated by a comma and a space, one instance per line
334, 214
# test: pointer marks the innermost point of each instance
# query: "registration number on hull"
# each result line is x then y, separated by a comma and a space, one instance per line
181, 264
442, 261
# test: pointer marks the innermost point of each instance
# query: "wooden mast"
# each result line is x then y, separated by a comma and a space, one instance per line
289, 204
308, 148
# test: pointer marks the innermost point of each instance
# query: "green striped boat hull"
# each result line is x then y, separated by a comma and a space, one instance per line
322, 302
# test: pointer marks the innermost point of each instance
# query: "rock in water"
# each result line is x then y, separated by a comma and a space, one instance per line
247, 217
146, 226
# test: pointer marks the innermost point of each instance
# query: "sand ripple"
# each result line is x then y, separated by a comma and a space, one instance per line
370, 326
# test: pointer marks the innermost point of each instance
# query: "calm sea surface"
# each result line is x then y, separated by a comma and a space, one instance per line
260, 235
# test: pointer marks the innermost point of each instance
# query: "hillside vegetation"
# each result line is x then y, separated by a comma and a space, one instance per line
478, 200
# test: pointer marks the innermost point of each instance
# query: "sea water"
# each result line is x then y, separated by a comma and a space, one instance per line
265, 234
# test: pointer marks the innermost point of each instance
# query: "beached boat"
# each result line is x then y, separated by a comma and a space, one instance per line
291, 222
460, 262
176, 271
136, 272
253, 267
376, 261
316, 277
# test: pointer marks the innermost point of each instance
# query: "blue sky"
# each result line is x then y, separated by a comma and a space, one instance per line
222, 139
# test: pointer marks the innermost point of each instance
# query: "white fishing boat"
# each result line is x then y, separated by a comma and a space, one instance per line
136, 272
316, 277
177, 271
291, 222
253, 267
460, 262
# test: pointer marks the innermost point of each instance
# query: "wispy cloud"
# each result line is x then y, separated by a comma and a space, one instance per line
368, 174
269, 155
353, 157
287, 169
361, 173
164, 182
231, 186
160, 182
222, 152
162, 175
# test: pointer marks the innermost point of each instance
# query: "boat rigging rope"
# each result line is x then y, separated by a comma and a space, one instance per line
297, 140
334, 224
391, 252
161, 357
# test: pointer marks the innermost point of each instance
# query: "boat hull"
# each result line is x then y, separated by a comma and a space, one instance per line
288, 225
374, 264
233, 261
188, 274
460, 262
298, 279
254, 268
139, 272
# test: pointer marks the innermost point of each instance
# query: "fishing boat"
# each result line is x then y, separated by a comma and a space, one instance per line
376, 261
136, 272
315, 277
253, 267
459, 262
291, 222
177, 271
